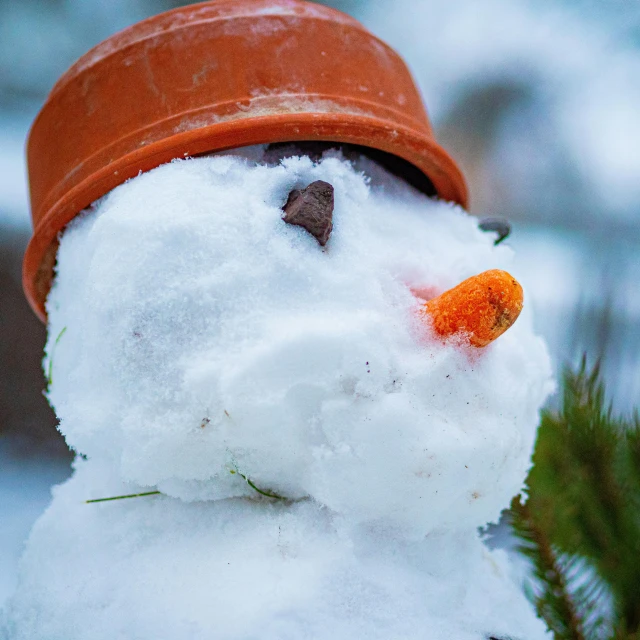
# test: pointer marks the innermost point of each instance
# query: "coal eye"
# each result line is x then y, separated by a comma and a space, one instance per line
312, 209
497, 225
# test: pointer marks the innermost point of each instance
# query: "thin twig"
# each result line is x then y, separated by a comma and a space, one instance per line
53, 349
253, 486
131, 495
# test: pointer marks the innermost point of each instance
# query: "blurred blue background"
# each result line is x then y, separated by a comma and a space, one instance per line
538, 101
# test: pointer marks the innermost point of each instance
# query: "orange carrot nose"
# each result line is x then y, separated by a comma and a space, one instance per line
481, 308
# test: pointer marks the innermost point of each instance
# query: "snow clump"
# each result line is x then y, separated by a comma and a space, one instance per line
201, 347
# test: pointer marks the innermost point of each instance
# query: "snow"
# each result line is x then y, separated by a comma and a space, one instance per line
24, 493
538, 104
164, 569
200, 346
579, 64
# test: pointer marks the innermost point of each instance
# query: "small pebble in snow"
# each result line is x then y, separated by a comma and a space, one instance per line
312, 209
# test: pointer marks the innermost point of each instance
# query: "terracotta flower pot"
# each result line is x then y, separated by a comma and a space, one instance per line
214, 76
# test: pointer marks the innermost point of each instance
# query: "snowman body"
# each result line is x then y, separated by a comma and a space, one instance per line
323, 462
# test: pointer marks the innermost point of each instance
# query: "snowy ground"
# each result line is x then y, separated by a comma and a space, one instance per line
25, 491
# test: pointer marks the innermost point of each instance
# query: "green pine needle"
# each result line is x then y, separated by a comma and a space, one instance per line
583, 509
552, 599
53, 348
131, 495
155, 493
255, 488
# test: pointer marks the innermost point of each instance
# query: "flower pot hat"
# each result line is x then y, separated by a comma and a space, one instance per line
210, 77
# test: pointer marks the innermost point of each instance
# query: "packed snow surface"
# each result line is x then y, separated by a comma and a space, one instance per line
200, 346
159, 568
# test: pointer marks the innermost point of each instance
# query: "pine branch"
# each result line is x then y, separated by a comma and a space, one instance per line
584, 499
553, 602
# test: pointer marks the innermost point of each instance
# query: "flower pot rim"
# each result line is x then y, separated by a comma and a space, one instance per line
329, 107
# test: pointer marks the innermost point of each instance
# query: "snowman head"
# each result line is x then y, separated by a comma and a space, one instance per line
201, 345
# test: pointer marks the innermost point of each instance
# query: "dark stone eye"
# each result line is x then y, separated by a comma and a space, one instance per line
497, 225
312, 209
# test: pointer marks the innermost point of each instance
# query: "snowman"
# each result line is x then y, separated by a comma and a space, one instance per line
292, 376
